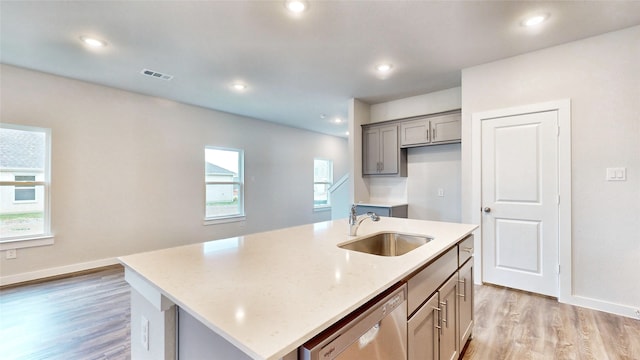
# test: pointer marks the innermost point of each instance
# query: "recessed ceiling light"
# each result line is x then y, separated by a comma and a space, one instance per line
346, 133
296, 6
337, 120
535, 20
238, 86
384, 68
93, 42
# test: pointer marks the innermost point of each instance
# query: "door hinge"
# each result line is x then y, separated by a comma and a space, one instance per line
558, 269
558, 199
558, 132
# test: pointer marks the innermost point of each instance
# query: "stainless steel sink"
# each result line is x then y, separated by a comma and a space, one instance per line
387, 244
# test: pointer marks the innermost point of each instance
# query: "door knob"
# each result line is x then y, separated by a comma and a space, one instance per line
487, 209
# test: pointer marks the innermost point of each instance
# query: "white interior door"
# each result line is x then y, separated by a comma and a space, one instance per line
520, 201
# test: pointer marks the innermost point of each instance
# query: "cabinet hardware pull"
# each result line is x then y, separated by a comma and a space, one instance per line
427, 134
468, 249
438, 324
464, 289
445, 318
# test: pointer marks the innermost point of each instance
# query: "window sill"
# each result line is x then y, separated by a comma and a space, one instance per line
27, 242
322, 208
224, 220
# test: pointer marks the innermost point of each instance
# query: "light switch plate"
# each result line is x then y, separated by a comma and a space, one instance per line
616, 174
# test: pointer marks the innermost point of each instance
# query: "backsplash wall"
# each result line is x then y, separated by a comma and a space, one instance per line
430, 168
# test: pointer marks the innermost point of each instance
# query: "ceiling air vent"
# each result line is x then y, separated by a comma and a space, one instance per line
156, 74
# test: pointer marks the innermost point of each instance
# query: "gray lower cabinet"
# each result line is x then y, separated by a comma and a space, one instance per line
399, 211
439, 327
465, 303
432, 329
423, 334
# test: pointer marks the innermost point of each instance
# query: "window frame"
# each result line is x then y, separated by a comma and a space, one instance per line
212, 220
46, 237
326, 206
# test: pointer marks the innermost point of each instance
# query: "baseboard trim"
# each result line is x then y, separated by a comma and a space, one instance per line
600, 305
56, 271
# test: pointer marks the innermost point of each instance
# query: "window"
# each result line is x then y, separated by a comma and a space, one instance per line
322, 180
224, 183
24, 184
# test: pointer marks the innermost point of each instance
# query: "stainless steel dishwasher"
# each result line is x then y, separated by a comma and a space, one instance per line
376, 331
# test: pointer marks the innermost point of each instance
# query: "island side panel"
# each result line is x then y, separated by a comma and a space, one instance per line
197, 341
153, 321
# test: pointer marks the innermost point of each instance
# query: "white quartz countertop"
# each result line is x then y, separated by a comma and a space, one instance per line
386, 204
268, 293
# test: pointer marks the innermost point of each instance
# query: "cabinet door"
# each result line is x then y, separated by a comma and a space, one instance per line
371, 151
423, 331
448, 305
389, 150
445, 128
414, 132
465, 303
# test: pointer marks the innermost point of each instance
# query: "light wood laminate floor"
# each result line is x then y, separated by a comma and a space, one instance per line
517, 325
88, 317
81, 317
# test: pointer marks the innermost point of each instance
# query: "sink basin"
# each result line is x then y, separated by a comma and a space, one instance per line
387, 244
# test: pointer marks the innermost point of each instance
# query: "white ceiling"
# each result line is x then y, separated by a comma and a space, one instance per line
297, 68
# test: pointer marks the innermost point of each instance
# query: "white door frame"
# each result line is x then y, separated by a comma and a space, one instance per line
563, 107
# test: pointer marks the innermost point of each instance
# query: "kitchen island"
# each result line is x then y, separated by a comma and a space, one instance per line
263, 295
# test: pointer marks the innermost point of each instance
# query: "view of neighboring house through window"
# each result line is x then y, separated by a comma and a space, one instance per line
24, 182
25, 193
322, 180
224, 183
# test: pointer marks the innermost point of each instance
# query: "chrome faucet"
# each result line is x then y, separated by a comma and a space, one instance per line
354, 222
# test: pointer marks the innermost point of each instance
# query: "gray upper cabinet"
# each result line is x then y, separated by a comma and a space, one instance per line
430, 130
414, 132
381, 154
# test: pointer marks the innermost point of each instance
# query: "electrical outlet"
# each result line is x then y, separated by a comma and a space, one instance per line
638, 313
11, 254
440, 192
144, 332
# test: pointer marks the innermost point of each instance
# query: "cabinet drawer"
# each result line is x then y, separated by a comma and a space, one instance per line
429, 279
465, 250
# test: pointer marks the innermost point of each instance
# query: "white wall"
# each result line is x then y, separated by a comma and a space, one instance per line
431, 103
601, 76
429, 168
432, 168
128, 170
358, 114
